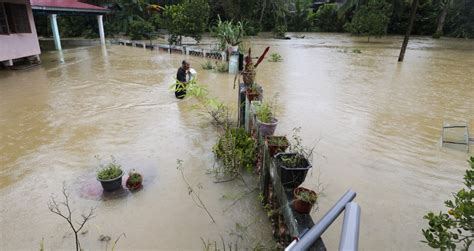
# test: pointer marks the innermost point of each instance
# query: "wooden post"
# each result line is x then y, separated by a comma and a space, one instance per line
414, 6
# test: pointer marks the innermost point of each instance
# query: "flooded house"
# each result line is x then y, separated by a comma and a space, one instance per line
18, 38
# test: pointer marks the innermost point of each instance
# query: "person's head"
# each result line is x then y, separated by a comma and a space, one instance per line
185, 64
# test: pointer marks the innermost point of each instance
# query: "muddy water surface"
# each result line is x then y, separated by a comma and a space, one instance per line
376, 123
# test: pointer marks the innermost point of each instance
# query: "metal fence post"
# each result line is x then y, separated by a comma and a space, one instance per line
350, 228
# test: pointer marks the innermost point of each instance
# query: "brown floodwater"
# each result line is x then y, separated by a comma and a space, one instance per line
376, 125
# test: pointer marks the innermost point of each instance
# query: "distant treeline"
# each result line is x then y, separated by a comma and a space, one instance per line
137, 17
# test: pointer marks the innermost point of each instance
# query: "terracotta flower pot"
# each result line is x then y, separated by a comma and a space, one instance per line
276, 148
252, 95
133, 186
299, 205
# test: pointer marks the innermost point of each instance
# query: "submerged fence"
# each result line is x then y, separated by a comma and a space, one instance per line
291, 228
184, 49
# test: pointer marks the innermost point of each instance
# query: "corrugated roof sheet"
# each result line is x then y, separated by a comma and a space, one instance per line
69, 4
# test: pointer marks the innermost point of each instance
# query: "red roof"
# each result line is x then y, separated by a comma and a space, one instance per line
67, 4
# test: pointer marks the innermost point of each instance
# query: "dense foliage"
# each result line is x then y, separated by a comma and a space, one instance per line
189, 18
447, 230
370, 19
236, 149
193, 17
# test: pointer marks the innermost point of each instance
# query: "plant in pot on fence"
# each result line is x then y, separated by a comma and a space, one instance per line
249, 72
110, 176
134, 181
252, 92
293, 166
266, 122
276, 144
303, 200
230, 35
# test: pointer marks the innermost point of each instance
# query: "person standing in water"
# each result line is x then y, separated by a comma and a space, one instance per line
180, 89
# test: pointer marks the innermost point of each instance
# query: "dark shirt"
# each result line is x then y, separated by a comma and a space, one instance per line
181, 77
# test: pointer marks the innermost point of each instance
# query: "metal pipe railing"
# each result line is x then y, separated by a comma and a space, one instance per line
317, 230
350, 228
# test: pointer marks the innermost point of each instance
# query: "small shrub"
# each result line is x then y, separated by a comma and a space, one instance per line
139, 28
264, 112
357, 51
447, 230
207, 65
275, 57
222, 67
280, 31
236, 149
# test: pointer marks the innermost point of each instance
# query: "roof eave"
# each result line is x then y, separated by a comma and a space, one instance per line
46, 8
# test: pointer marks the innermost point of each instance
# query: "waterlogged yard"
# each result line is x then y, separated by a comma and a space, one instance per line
376, 125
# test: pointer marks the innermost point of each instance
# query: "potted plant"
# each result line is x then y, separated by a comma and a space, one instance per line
276, 144
134, 181
252, 92
110, 176
293, 166
304, 199
249, 72
266, 122
229, 34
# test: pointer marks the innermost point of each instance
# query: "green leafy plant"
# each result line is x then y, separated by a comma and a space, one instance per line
264, 112
447, 230
188, 18
228, 33
278, 141
275, 57
307, 196
301, 152
280, 31
207, 65
222, 67
237, 149
139, 29
109, 171
371, 19
357, 51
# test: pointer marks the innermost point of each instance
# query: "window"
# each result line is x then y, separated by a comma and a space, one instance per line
3, 21
17, 18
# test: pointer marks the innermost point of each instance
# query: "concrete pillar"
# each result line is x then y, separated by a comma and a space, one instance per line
101, 29
54, 27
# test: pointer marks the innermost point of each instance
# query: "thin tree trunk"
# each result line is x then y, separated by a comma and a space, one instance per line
442, 18
414, 6
262, 12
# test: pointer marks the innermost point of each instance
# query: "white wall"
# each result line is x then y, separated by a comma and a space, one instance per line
20, 45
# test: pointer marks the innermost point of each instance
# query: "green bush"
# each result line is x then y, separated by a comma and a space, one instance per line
207, 65
371, 19
275, 57
236, 149
222, 67
280, 31
326, 19
139, 28
447, 230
